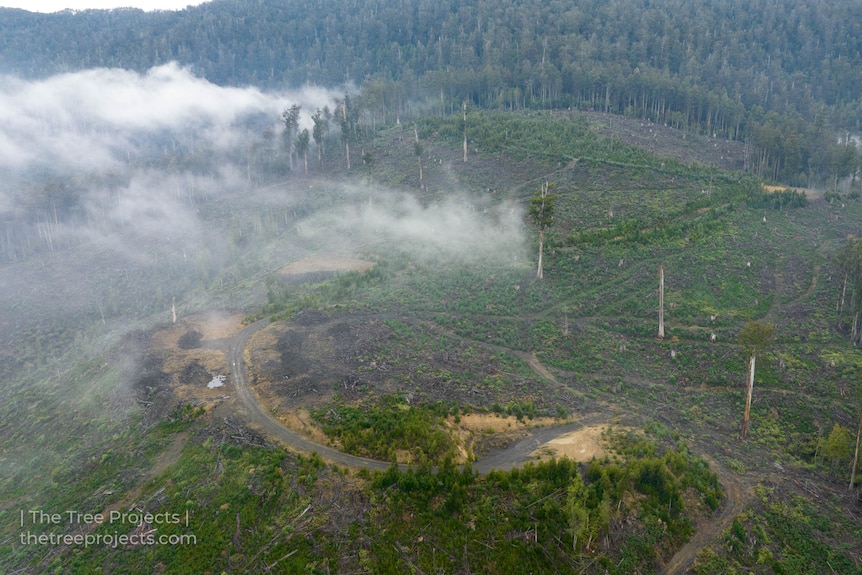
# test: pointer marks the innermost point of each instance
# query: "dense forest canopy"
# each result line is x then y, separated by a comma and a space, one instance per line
784, 76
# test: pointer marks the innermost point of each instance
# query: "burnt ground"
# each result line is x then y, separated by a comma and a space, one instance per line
296, 367
305, 363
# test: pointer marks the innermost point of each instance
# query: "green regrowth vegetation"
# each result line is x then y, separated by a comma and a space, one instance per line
783, 535
383, 429
252, 513
543, 516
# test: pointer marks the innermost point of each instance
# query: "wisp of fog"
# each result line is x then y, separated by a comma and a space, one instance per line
123, 195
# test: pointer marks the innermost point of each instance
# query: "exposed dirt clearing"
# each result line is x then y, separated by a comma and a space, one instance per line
264, 343
211, 326
206, 327
810, 193
211, 360
300, 421
474, 430
325, 263
581, 445
483, 423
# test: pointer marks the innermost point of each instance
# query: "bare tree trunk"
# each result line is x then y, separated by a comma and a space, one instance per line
465, 131
750, 388
856, 453
855, 324
841, 304
347, 152
345, 135
418, 151
539, 273
305, 157
174, 309
661, 301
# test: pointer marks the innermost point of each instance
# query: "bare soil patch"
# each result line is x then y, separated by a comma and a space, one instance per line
180, 359
485, 423
581, 445
191, 367
325, 263
810, 193
483, 433
300, 421
210, 326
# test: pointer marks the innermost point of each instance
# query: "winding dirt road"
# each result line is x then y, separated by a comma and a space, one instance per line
737, 492
516, 454
256, 415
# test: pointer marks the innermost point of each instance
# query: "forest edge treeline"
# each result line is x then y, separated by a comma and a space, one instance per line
785, 78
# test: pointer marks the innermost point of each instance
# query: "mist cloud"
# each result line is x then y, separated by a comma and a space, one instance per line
95, 119
132, 148
121, 132
456, 229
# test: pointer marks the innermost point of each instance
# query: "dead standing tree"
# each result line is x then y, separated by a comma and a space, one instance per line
291, 125
754, 338
302, 143
849, 261
347, 122
321, 126
464, 108
418, 151
541, 213
661, 301
858, 432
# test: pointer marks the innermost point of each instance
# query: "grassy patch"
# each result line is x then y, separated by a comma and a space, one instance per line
390, 430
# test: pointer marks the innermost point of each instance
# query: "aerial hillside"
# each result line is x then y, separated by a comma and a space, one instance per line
374, 316
388, 287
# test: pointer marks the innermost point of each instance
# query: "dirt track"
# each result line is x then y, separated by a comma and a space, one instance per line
516, 454
737, 491
736, 494
257, 417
